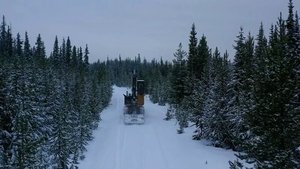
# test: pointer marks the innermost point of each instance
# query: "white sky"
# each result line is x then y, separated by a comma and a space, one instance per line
153, 28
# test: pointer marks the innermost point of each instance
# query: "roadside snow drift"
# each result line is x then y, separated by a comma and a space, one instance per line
153, 145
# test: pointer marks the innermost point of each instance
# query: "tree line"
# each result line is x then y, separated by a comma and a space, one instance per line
48, 105
155, 74
252, 104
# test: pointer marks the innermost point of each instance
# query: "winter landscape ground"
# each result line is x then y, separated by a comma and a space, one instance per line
153, 145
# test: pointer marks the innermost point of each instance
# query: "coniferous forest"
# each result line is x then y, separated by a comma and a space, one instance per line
50, 105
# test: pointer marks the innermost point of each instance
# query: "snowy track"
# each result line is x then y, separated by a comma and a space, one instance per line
153, 145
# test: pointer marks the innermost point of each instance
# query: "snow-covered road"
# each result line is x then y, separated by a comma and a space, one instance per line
153, 145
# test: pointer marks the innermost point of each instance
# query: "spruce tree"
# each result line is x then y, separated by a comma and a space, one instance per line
202, 58
240, 89
27, 49
74, 57
192, 55
80, 56
9, 44
215, 124
40, 48
261, 55
178, 81
68, 52
18, 47
197, 87
55, 53
63, 52
86, 55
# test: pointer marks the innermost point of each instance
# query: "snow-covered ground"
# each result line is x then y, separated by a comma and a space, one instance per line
153, 145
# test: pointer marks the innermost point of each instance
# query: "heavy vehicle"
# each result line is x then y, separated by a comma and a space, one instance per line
134, 112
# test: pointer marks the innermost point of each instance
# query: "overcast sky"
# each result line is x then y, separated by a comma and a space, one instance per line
153, 28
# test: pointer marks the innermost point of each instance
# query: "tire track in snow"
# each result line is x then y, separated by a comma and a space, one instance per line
119, 149
165, 160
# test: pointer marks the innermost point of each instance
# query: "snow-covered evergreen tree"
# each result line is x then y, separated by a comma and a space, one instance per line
46, 103
215, 124
239, 92
274, 118
178, 89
